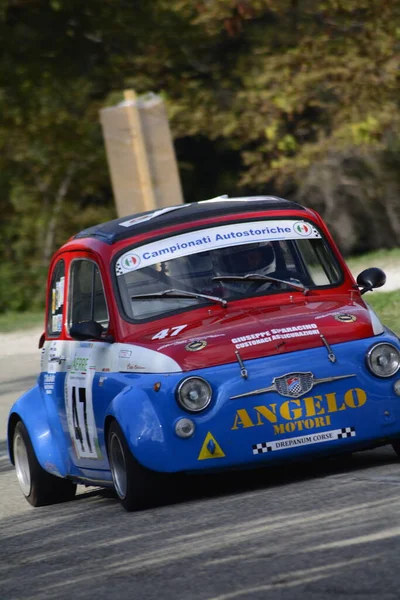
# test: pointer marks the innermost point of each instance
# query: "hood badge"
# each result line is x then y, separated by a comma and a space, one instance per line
196, 345
345, 318
292, 385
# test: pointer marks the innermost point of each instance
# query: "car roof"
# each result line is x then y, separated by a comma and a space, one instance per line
125, 227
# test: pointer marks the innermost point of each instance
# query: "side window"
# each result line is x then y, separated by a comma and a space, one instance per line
56, 300
87, 298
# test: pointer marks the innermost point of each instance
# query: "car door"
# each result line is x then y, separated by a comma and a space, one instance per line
87, 363
54, 353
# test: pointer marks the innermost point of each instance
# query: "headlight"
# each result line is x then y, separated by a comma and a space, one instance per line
383, 360
194, 394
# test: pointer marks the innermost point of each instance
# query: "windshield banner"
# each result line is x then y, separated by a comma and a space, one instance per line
214, 237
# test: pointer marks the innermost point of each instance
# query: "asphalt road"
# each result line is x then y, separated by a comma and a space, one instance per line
322, 531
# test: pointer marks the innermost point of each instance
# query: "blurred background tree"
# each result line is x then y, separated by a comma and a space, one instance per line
298, 98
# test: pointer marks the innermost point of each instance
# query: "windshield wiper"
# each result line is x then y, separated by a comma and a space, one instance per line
175, 293
259, 277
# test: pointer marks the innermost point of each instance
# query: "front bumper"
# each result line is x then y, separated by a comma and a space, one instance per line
354, 412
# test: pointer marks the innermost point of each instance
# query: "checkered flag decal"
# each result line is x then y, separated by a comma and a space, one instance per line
118, 269
296, 389
346, 432
261, 448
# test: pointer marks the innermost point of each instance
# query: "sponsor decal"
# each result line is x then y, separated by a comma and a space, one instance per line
215, 237
311, 412
196, 346
210, 448
57, 301
79, 408
102, 379
346, 318
52, 358
294, 385
49, 382
304, 229
80, 363
272, 335
130, 261
42, 358
136, 221
125, 354
305, 440
144, 218
134, 367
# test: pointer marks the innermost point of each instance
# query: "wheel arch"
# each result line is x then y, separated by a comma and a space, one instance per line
107, 423
31, 410
13, 420
142, 426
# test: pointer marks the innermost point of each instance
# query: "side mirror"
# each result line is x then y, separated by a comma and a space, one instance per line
89, 330
371, 278
42, 340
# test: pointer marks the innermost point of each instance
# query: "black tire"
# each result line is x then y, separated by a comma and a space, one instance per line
137, 487
39, 487
396, 447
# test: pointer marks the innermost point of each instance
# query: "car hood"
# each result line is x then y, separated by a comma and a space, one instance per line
257, 331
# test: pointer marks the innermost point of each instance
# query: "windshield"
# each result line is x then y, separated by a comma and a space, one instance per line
190, 276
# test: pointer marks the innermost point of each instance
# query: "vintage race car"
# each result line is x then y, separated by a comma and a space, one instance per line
216, 335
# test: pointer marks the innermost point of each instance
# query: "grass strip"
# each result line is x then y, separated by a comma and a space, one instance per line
387, 307
17, 321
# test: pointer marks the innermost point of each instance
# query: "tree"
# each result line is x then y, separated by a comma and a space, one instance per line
281, 93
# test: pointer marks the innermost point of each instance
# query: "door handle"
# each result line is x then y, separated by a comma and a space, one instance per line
58, 359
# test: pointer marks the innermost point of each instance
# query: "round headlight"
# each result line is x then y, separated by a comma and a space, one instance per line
194, 394
383, 360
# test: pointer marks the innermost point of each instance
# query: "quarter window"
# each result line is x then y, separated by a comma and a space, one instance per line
87, 298
56, 300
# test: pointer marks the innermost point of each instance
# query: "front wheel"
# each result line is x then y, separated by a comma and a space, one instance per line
39, 487
136, 487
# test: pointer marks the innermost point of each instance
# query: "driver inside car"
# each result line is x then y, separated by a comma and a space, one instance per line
248, 259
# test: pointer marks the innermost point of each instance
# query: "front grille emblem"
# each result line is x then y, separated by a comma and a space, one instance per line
293, 385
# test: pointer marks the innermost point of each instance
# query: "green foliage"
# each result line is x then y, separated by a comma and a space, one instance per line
15, 320
387, 307
279, 93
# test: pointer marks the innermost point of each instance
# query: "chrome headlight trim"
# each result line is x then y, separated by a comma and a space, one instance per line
370, 363
202, 382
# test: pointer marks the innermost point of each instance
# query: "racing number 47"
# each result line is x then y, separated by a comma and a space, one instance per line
75, 419
81, 420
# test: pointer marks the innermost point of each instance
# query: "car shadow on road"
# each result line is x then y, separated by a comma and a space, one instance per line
220, 536
5, 464
194, 487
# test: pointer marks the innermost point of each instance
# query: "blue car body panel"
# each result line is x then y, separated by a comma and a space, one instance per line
43, 425
242, 432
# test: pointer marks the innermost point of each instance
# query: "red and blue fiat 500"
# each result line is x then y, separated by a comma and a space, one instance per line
221, 334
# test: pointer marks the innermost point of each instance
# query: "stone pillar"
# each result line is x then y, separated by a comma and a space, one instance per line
140, 154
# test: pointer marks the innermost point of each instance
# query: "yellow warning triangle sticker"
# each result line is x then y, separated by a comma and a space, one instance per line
210, 448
